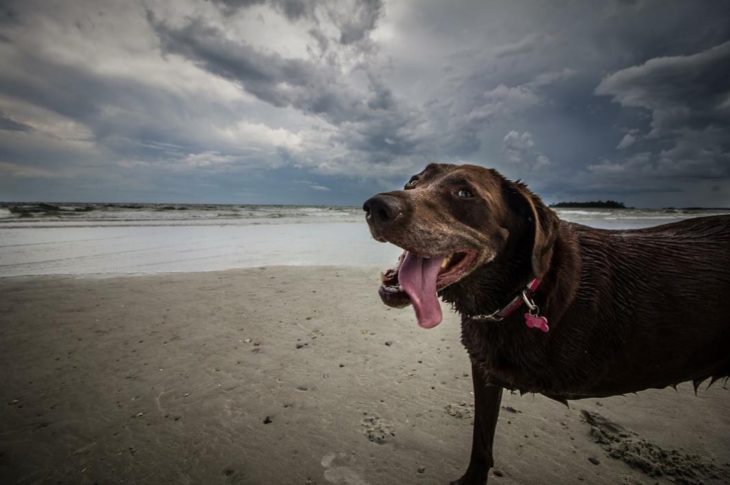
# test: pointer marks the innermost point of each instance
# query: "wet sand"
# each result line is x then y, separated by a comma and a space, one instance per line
297, 375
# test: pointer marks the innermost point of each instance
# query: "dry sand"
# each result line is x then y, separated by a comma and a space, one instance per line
296, 376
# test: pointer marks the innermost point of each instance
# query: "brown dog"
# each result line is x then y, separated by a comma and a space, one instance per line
549, 306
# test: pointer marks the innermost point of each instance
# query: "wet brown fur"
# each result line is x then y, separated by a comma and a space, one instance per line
628, 309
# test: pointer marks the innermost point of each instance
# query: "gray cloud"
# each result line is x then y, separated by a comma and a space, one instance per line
520, 148
113, 97
354, 19
12, 125
527, 44
371, 123
292, 9
356, 24
680, 91
629, 139
688, 101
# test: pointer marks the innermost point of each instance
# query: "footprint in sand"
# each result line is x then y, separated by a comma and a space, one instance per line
377, 429
342, 469
648, 457
460, 410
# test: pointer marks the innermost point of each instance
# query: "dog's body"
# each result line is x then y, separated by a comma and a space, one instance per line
627, 310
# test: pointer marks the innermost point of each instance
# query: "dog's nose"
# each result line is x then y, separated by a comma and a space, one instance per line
382, 209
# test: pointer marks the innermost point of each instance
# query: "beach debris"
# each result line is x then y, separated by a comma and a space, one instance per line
421, 469
594, 460
388, 343
267, 420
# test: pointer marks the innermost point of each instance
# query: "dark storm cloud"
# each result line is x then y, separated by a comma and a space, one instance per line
689, 91
12, 125
9, 12
292, 9
116, 111
371, 122
354, 24
260, 73
688, 99
594, 144
623, 99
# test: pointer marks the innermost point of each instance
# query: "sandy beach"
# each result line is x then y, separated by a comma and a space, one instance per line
297, 375
200, 201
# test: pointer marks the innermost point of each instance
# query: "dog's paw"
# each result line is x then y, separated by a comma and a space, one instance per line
470, 478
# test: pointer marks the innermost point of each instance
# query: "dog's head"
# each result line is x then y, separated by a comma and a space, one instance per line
452, 220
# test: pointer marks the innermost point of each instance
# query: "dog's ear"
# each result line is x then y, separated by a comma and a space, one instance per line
544, 221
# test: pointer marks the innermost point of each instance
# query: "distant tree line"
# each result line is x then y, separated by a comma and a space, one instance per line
593, 204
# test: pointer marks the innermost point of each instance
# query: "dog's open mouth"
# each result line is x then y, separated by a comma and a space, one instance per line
418, 279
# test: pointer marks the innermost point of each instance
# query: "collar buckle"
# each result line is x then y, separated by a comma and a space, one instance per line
534, 309
524, 297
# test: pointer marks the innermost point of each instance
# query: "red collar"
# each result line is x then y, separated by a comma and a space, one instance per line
533, 319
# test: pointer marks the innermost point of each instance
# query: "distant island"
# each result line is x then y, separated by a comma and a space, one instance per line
593, 204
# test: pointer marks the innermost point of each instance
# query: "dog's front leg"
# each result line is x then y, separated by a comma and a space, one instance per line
487, 399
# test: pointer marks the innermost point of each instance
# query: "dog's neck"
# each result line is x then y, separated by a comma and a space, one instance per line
494, 284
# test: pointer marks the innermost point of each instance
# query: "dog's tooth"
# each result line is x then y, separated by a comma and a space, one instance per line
445, 263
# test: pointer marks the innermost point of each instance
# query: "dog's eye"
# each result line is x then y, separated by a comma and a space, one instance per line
412, 182
464, 194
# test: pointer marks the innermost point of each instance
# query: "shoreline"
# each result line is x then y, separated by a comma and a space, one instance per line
193, 245
102, 276
291, 375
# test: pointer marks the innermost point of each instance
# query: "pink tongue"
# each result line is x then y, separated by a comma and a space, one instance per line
417, 277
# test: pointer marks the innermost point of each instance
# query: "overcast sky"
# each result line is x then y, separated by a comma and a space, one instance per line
301, 101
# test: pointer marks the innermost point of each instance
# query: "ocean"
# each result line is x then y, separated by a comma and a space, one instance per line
136, 239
